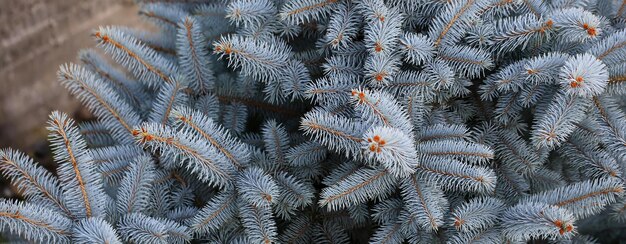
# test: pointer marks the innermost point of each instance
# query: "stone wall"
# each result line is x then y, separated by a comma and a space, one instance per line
36, 36
31, 25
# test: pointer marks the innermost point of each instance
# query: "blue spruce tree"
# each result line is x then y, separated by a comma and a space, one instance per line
338, 121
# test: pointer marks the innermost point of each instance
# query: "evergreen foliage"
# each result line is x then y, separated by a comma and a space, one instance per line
337, 121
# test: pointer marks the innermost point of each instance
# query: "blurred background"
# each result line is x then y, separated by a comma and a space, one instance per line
36, 37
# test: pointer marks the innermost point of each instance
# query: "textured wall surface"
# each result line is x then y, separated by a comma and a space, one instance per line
36, 36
